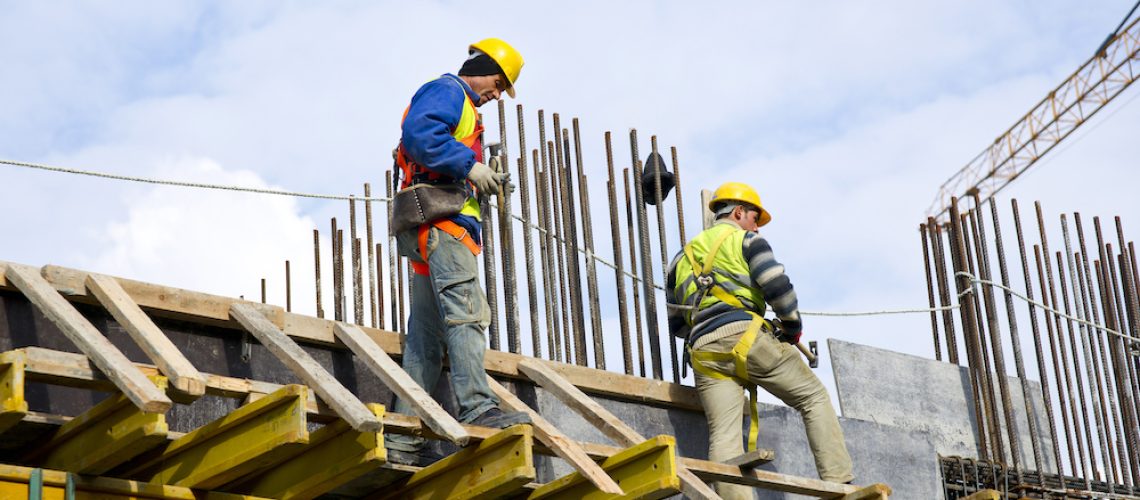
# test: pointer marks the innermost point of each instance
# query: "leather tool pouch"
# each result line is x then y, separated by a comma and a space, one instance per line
422, 203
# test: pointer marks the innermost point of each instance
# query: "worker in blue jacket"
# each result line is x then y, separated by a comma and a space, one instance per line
441, 147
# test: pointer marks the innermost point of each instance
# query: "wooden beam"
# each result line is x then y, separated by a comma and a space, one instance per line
647, 471
978, 495
558, 442
401, 383
336, 455
104, 437
14, 483
167, 301
13, 406
497, 467
183, 376
605, 421
202, 308
90, 341
351, 409
754, 458
235, 445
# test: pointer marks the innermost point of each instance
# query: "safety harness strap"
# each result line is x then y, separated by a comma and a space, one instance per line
739, 357
706, 275
449, 227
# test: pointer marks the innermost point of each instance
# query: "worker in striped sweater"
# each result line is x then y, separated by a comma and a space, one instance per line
718, 288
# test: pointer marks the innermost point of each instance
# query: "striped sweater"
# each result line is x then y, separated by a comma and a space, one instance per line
767, 275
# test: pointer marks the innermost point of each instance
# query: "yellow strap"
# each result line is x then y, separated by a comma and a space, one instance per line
706, 269
739, 357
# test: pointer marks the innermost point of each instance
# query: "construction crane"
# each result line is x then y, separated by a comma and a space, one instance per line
1097, 82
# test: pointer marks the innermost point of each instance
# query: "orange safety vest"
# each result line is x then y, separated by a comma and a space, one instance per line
415, 173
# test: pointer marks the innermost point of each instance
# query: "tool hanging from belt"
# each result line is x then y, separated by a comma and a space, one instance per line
739, 358
449, 227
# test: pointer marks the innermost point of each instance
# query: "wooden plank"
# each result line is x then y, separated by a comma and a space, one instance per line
183, 376
647, 471
213, 310
715, 471
336, 455
402, 384
235, 445
105, 355
605, 421
754, 458
558, 442
106, 436
14, 484
497, 467
13, 406
351, 409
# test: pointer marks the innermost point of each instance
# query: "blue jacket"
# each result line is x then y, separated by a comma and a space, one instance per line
426, 134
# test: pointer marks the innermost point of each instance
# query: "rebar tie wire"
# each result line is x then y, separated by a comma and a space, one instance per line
586, 252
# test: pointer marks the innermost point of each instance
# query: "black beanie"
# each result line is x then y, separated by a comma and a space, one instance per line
480, 64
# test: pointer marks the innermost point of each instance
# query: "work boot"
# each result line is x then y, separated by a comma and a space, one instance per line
495, 418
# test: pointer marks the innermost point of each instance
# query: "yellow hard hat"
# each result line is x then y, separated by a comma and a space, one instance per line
739, 192
509, 59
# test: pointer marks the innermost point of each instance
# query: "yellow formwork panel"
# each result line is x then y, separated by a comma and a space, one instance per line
13, 407
236, 445
497, 467
106, 436
336, 454
15, 483
645, 471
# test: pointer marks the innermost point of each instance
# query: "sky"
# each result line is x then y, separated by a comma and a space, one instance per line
845, 116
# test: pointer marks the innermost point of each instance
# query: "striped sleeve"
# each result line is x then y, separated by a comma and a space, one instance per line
769, 277
675, 315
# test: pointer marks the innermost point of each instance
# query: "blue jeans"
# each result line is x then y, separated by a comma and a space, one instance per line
449, 314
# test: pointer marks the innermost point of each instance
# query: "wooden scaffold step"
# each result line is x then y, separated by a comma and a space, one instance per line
27, 482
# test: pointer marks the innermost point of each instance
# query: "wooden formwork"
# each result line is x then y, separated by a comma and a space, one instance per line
303, 440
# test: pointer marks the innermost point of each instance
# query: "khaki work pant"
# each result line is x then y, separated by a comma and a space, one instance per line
778, 368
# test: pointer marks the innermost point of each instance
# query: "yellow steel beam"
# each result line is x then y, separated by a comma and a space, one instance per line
984, 495
14, 483
13, 407
235, 445
644, 471
336, 454
109, 434
496, 467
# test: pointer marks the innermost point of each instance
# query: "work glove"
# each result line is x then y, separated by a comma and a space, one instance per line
790, 331
496, 165
486, 180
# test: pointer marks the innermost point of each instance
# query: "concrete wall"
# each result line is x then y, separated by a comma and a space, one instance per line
930, 396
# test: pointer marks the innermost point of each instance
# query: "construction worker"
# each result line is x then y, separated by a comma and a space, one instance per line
440, 147
718, 288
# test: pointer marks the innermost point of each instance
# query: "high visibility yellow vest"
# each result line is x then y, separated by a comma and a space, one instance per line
717, 257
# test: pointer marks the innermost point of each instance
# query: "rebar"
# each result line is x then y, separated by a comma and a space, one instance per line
1106, 280
591, 267
507, 242
1091, 365
570, 223
1042, 374
619, 271
288, 289
553, 252
1093, 472
1073, 399
646, 264
943, 289
969, 326
677, 188
930, 292
528, 248
489, 273
984, 369
657, 198
379, 288
563, 285
546, 248
1015, 341
373, 265
995, 337
629, 217
337, 297
317, 271
1065, 395
357, 272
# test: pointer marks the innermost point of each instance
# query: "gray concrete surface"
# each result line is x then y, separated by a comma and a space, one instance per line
935, 397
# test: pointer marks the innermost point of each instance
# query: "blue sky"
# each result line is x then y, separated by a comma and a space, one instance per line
846, 116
